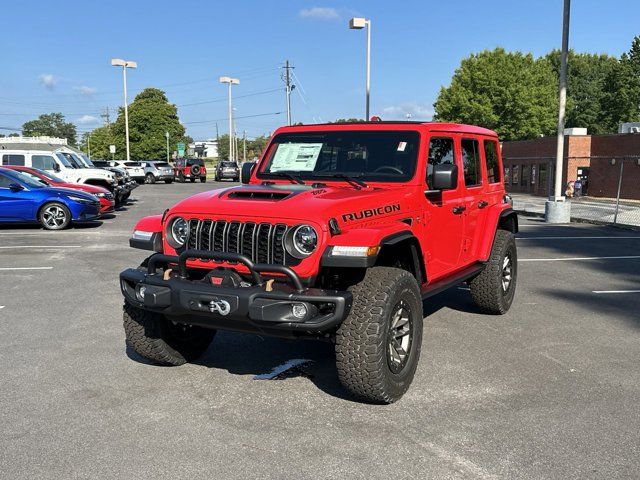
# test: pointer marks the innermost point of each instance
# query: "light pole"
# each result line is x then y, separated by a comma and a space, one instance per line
557, 210
117, 62
358, 23
166, 134
230, 81
89, 145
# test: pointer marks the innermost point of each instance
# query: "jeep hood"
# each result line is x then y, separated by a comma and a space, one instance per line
296, 202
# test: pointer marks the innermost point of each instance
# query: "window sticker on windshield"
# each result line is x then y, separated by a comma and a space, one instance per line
298, 157
402, 146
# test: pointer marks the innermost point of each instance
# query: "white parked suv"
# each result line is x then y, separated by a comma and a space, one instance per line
135, 169
57, 162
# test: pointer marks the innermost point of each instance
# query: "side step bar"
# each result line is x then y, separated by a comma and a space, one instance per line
463, 275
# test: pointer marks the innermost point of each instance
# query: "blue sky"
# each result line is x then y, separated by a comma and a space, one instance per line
55, 55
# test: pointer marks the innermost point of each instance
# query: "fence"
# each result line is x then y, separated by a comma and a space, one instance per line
602, 189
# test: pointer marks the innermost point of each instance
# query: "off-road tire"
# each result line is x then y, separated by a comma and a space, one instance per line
150, 335
149, 178
487, 288
203, 179
181, 177
193, 179
362, 339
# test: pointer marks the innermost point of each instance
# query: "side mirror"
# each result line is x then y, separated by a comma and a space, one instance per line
445, 177
56, 167
247, 169
14, 187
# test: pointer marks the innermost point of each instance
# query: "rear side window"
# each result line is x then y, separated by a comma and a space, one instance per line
471, 162
440, 152
491, 158
17, 160
42, 162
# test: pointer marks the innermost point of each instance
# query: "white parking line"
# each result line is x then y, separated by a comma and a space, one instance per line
637, 237
8, 269
1, 307
41, 246
616, 291
569, 259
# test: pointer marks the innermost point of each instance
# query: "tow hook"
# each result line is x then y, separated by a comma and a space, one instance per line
221, 306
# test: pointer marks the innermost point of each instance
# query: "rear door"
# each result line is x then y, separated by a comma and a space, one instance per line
443, 215
475, 195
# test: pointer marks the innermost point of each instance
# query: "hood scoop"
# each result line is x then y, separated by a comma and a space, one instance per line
270, 194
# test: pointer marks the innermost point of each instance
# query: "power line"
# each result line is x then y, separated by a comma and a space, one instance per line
252, 94
235, 118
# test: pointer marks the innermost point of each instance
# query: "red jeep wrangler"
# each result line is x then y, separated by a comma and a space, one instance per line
189, 169
340, 232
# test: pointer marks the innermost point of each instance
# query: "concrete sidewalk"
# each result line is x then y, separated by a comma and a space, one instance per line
584, 208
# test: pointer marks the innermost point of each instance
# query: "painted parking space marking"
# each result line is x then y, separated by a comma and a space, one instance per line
8, 269
40, 246
1, 307
615, 291
573, 259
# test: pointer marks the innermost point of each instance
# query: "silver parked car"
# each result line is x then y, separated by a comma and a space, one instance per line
157, 171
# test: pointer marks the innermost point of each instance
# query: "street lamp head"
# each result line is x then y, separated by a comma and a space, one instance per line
232, 81
357, 23
118, 62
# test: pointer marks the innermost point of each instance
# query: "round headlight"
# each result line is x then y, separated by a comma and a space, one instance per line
178, 231
304, 241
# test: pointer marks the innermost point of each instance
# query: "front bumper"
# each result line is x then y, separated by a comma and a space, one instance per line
255, 307
106, 205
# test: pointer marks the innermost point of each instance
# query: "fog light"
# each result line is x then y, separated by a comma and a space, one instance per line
140, 289
299, 310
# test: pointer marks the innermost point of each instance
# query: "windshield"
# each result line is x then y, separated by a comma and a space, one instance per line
64, 160
35, 177
73, 160
379, 156
50, 176
29, 180
86, 161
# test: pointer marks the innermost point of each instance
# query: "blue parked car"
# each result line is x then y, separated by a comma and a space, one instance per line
24, 199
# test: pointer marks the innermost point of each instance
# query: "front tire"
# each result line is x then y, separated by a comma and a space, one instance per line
156, 338
378, 344
54, 216
203, 179
493, 290
181, 177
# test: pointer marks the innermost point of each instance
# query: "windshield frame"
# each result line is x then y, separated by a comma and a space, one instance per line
324, 176
64, 160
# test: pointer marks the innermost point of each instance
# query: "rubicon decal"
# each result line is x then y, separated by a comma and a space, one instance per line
370, 212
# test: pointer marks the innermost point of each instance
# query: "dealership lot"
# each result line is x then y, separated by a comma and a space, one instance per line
548, 390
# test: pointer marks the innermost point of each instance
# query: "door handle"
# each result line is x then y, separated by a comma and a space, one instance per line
482, 204
459, 209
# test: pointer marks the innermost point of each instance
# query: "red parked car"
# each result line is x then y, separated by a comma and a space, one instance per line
107, 202
340, 233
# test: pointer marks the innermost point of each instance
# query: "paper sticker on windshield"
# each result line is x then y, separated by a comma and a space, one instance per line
298, 157
402, 146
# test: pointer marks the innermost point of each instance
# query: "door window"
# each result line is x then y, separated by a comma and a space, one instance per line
43, 162
5, 181
471, 162
491, 159
440, 153
17, 160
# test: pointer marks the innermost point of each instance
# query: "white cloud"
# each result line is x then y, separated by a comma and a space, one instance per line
48, 81
88, 120
418, 111
83, 90
320, 13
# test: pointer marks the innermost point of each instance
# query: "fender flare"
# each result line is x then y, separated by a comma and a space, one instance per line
506, 217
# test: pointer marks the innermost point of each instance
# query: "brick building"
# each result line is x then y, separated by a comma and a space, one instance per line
596, 159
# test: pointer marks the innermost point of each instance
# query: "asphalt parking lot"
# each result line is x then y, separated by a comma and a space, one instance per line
549, 390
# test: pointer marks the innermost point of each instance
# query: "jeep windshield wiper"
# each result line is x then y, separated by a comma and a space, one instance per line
351, 179
286, 174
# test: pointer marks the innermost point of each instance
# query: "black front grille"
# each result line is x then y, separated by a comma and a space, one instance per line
261, 242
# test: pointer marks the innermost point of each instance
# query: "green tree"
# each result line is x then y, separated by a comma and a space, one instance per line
511, 93
254, 147
99, 138
586, 76
150, 116
52, 125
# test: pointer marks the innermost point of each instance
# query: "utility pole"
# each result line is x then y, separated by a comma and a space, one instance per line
89, 145
557, 210
244, 146
288, 88
105, 116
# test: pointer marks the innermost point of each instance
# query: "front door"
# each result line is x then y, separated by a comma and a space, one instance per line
443, 211
15, 206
